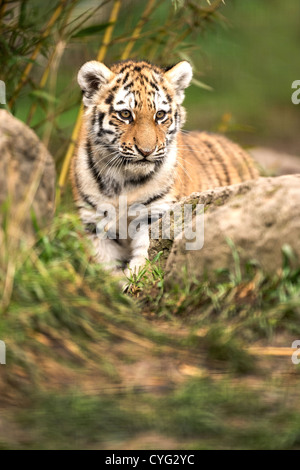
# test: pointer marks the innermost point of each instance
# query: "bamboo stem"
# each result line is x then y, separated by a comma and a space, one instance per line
138, 28
36, 51
109, 30
102, 52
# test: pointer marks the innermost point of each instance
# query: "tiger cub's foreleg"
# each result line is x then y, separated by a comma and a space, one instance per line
139, 251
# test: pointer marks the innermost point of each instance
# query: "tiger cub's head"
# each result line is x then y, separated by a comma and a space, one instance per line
133, 110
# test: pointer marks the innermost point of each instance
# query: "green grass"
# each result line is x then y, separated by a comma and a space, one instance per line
264, 302
233, 310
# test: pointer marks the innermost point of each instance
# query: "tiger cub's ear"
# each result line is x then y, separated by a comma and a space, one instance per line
180, 77
91, 77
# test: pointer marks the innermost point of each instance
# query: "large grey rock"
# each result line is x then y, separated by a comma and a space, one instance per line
259, 216
27, 176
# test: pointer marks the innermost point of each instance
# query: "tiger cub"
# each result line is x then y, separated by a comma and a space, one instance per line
130, 146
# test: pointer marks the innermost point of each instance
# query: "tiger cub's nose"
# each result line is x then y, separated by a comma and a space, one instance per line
145, 151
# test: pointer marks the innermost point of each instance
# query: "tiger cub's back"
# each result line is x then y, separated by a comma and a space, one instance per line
206, 160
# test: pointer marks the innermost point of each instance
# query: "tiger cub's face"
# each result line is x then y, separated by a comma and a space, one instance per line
133, 111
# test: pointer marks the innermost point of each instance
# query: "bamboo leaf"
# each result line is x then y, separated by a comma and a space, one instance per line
201, 84
90, 30
44, 95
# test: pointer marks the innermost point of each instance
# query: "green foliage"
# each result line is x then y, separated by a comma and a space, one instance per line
151, 275
90, 30
234, 310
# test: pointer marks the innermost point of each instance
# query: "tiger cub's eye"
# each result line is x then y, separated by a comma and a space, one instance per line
160, 114
125, 114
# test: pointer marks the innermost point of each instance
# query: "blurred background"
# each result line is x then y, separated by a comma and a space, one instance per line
167, 367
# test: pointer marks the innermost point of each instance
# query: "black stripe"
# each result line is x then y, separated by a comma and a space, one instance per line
191, 149
94, 115
158, 163
117, 241
175, 117
83, 196
124, 68
100, 119
157, 196
220, 159
87, 199
139, 180
237, 156
92, 168
109, 188
109, 98
113, 188
105, 131
128, 86
154, 85
126, 77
